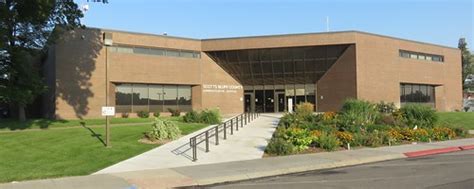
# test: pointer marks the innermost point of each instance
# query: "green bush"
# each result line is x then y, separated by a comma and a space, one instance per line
279, 146
304, 109
191, 117
328, 142
327, 128
163, 130
288, 119
419, 115
156, 114
359, 139
376, 127
210, 116
356, 114
174, 112
206, 116
300, 138
376, 138
386, 108
460, 131
313, 118
387, 119
143, 114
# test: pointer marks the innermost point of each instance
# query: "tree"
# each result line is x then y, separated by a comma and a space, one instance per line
467, 60
26, 28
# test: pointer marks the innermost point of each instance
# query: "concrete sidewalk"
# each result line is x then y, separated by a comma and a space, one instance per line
247, 143
234, 171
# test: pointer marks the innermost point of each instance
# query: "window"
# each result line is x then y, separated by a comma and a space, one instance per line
151, 97
172, 53
184, 98
417, 93
123, 97
421, 56
155, 51
156, 97
170, 97
186, 54
140, 97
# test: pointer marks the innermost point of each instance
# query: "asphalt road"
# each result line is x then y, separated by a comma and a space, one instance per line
453, 170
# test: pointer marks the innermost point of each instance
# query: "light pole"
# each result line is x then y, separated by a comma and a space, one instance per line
107, 37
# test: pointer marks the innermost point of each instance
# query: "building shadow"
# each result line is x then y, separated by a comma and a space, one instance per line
69, 69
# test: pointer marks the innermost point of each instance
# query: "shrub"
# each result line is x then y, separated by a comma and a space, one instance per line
329, 116
328, 142
174, 112
288, 119
442, 133
387, 119
279, 146
280, 132
304, 109
422, 135
125, 115
419, 115
313, 118
373, 128
460, 131
163, 130
327, 128
143, 114
359, 139
210, 116
191, 117
386, 108
300, 138
156, 114
407, 133
315, 134
356, 114
375, 139
395, 136
345, 137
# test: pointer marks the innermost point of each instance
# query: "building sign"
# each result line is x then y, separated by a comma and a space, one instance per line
108, 111
221, 88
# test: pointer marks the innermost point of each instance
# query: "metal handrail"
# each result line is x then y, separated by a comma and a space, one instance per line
233, 123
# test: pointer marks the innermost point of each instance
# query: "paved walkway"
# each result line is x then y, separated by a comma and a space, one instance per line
247, 143
233, 171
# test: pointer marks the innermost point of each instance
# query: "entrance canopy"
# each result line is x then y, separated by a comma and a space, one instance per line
278, 66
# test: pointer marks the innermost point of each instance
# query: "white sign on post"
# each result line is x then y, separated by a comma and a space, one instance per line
108, 111
290, 105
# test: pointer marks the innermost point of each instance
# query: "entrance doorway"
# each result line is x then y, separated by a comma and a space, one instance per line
274, 98
280, 102
249, 102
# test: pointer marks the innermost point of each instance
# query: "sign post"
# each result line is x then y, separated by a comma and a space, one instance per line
107, 111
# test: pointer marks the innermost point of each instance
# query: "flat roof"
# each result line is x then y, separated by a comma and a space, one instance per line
275, 35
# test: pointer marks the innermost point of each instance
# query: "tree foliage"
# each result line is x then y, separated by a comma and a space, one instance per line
26, 28
467, 60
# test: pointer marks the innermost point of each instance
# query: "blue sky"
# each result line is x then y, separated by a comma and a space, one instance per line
435, 21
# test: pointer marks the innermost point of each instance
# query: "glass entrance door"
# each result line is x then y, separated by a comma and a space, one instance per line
248, 102
280, 102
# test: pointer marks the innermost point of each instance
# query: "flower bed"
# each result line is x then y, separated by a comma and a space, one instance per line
358, 124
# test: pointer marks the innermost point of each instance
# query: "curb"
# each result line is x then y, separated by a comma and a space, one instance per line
468, 147
437, 151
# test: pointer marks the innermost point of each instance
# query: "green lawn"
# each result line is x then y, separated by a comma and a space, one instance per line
28, 155
12, 124
460, 119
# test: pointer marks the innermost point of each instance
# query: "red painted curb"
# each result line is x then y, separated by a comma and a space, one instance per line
432, 151
468, 147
